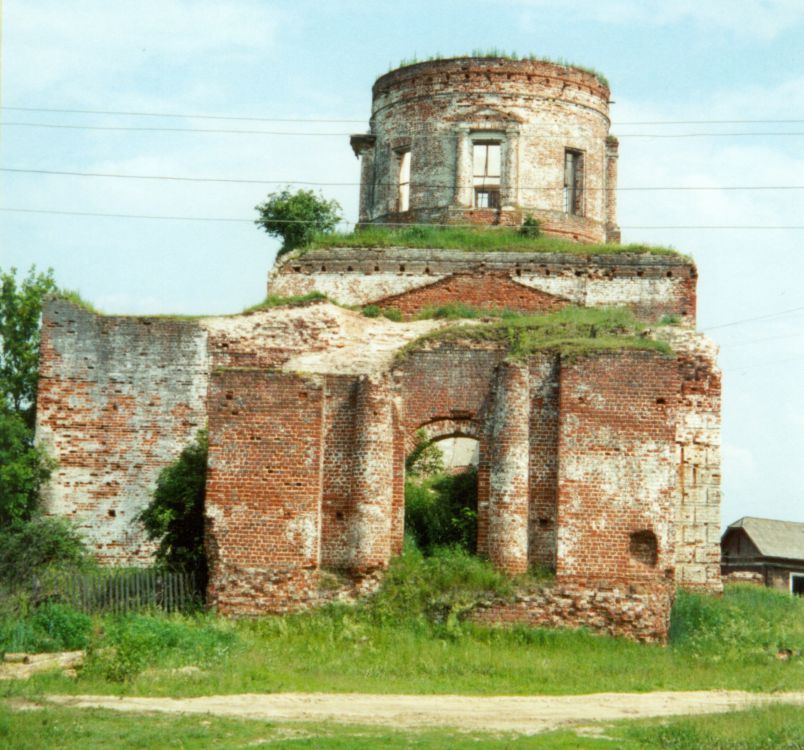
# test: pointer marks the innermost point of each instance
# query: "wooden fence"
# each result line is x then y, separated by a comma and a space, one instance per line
119, 590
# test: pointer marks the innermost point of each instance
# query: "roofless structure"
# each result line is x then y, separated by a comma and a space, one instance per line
597, 429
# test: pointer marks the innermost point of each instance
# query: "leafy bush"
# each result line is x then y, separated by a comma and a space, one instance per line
175, 516
371, 311
24, 468
30, 549
531, 227
51, 627
297, 217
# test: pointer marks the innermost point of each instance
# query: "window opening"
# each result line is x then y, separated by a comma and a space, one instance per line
644, 547
404, 181
486, 163
573, 182
797, 584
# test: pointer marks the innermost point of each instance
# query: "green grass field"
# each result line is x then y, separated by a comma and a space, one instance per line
406, 641
775, 728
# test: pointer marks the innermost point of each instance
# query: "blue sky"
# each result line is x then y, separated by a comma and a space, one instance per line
667, 61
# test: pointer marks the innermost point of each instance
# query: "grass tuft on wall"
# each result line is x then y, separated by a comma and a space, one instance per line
477, 239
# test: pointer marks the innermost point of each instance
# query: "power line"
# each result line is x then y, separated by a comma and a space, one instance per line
401, 224
246, 118
733, 344
789, 311
129, 128
252, 181
241, 118
168, 130
705, 122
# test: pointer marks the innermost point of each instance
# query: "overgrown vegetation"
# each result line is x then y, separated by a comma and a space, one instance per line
49, 627
126, 646
750, 623
296, 216
39, 547
440, 508
436, 590
175, 515
411, 638
24, 467
481, 239
375, 311
571, 330
497, 53
274, 300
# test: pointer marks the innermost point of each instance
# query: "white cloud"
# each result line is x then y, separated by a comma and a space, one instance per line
760, 18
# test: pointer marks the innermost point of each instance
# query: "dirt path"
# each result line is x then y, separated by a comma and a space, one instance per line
527, 714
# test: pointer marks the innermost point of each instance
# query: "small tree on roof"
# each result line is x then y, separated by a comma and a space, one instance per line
296, 217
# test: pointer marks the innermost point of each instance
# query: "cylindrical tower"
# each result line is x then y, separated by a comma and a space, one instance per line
487, 141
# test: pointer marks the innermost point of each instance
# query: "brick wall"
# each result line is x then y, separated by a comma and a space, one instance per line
697, 421
642, 615
411, 279
119, 397
604, 466
542, 520
437, 109
264, 489
618, 467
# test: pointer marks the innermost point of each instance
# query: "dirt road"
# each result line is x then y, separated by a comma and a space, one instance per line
525, 715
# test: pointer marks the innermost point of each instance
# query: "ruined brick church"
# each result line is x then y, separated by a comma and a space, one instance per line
603, 466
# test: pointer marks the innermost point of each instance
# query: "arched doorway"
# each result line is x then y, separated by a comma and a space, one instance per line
441, 488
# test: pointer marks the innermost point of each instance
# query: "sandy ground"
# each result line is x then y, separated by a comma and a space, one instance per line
525, 715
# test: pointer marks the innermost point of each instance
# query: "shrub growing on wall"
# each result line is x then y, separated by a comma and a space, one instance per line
296, 217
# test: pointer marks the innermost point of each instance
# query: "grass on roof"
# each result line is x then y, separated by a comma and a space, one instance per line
571, 330
495, 53
72, 296
274, 300
478, 239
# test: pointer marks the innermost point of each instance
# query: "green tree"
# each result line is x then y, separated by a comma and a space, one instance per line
296, 217
20, 319
24, 468
175, 515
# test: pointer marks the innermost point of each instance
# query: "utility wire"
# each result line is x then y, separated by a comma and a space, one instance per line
749, 342
248, 181
400, 224
789, 311
127, 128
241, 118
246, 118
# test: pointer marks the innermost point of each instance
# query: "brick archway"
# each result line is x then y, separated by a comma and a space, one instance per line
439, 429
